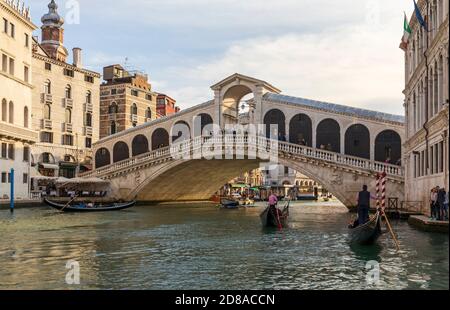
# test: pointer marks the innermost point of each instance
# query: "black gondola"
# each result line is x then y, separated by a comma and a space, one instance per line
368, 233
229, 204
95, 208
270, 220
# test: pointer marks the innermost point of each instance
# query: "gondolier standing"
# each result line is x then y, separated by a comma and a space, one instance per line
273, 211
363, 199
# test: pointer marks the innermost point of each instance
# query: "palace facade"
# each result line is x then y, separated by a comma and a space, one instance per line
427, 103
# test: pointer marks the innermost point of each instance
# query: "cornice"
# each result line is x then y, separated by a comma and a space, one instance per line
66, 65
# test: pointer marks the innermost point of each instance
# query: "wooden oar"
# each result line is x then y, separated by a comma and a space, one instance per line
388, 224
69, 203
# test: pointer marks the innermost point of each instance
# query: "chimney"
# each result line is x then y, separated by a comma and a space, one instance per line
77, 57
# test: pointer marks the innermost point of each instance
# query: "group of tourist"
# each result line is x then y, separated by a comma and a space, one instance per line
439, 204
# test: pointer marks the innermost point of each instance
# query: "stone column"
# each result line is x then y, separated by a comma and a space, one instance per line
342, 139
258, 96
218, 108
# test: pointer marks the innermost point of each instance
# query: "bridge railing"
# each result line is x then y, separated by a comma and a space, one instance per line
196, 145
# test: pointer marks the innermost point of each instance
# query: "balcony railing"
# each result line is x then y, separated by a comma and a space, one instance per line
112, 116
88, 107
88, 131
46, 98
46, 124
68, 103
134, 118
67, 127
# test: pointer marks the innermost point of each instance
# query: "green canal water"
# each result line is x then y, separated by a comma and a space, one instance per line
202, 247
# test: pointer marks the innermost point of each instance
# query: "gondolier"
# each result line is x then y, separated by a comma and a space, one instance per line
363, 201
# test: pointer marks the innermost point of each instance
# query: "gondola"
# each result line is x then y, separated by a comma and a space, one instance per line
368, 233
96, 208
226, 203
271, 220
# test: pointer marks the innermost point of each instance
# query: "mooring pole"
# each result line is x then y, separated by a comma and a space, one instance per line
11, 182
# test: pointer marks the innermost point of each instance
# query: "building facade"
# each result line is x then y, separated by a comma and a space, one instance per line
16, 85
427, 103
166, 106
65, 103
126, 100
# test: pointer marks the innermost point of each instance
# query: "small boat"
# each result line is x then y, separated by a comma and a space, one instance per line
229, 204
368, 233
271, 220
79, 207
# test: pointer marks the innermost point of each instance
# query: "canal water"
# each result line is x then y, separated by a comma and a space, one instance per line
202, 247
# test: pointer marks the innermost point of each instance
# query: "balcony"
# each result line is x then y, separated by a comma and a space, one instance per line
134, 118
47, 98
67, 127
88, 107
87, 131
68, 103
112, 117
47, 124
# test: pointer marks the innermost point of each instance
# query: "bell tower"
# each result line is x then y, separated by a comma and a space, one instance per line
53, 33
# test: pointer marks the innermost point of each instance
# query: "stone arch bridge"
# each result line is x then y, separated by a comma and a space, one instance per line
338, 146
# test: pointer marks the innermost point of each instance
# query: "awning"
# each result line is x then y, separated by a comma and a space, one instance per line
48, 166
68, 164
239, 186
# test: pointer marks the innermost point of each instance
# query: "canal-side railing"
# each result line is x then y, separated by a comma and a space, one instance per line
222, 144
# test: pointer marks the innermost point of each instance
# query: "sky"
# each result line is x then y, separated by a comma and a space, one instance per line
340, 51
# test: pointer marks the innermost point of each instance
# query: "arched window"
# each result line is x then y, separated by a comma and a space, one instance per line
4, 110
68, 92
300, 130
275, 118
102, 158
120, 152
47, 111
11, 112
148, 113
160, 138
357, 141
329, 135
181, 132
88, 97
139, 145
205, 120
25, 117
88, 119
113, 128
388, 147
134, 109
113, 108
68, 116
48, 87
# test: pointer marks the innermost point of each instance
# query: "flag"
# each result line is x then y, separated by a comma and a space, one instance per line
406, 34
419, 16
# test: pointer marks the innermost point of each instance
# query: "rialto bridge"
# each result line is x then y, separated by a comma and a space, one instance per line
338, 146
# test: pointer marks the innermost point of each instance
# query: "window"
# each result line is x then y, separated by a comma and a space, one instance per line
47, 111
25, 117
114, 91
149, 97
5, 25
148, 113
68, 92
26, 73
69, 73
4, 150
48, 66
134, 109
113, 108
89, 119
11, 112
48, 87
68, 116
67, 140
11, 66
134, 93
26, 154
89, 79
113, 128
46, 137
88, 143
27, 40
13, 30
88, 97
11, 152
4, 110
25, 178
286, 170
46, 158
4, 177
4, 63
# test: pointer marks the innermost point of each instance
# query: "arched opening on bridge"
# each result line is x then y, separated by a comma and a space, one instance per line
203, 120
277, 118
388, 147
102, 158
357, 141
180, 132
139, 145
300, 130
329, 135
121, 152
160, 139
231, 103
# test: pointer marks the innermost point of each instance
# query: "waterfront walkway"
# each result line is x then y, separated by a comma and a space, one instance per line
424, 223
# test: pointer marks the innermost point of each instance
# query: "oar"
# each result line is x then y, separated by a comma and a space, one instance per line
69, 203
388, 224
